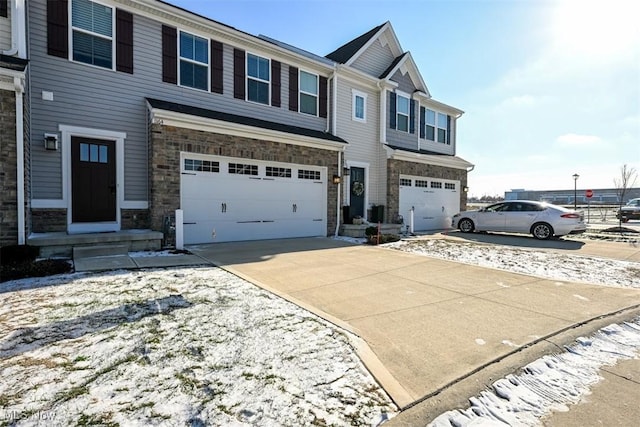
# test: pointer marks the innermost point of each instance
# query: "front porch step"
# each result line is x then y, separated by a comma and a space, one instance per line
352, 230
61, 245
80, 252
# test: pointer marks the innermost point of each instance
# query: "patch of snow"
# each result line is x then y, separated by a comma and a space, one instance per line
546, 264
149, 254
480, 341
549, 383
186, 346
354, 240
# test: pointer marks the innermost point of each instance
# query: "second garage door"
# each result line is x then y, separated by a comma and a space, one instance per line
230, 199
434, 201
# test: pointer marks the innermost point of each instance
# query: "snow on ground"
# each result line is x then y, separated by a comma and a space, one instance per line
185, 346
547, 264
549, 383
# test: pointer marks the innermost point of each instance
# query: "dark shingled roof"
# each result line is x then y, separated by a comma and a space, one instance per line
346, 51
13, 63
243, 120
410, 150
393, 64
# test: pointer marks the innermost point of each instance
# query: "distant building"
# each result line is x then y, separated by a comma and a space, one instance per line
605, 195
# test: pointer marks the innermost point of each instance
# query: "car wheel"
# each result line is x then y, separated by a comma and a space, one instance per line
542, 231
466, 225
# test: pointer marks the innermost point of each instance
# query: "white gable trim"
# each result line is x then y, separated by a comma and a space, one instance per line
389, 38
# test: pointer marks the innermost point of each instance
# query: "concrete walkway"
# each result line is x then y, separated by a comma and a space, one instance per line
429, 324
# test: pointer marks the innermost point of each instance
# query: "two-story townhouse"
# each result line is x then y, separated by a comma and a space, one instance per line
149, 108
13, 122
402, 142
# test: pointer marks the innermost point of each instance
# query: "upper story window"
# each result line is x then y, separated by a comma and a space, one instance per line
436, 126
258, 79
402, 112
194, 61
442, 128
359, 106
308, 93
92, 33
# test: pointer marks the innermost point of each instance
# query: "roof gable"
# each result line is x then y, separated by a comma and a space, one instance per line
405, 64
351, 51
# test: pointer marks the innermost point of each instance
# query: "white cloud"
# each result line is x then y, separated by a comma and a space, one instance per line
575, 139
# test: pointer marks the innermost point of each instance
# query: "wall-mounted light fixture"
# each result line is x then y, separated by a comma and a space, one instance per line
51, 141
465, 189
346, 171
337, 179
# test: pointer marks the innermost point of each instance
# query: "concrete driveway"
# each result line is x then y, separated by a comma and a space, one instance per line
427, 324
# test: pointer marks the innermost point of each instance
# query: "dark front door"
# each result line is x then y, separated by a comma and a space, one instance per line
93, 180
356, 202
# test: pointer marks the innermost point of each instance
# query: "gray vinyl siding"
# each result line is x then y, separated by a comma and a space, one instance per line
400, 138
405, 84
375, 60
5, 31
93, 97
363, 138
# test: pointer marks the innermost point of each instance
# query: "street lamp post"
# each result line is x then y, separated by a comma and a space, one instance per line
575, 191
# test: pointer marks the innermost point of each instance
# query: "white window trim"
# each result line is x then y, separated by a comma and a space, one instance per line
180, 58
355, 93
316, 95
435, 125
438, 127
112, 38
408, 115
246, 83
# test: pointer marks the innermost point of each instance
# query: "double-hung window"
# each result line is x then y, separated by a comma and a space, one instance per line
92, 33
442, 128
308, 93
430, 125
194, 61
359, 106
258, 79
402, 112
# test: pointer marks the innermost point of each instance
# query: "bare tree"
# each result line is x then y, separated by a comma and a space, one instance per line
626, 180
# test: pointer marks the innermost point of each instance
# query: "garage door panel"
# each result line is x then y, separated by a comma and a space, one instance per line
434, 201
224, 206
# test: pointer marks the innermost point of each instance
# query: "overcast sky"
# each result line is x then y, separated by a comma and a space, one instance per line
549, 87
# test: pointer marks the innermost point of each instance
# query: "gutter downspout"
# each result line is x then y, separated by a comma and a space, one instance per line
383, 112
333, 126
19, 88
17, 30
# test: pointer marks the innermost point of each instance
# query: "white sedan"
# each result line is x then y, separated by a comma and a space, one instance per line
542, 220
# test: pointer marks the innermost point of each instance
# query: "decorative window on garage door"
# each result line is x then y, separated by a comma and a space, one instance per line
278, 172
422, 183
308, 174
436, 184
201, 165
242, 169
404, 182
449, 186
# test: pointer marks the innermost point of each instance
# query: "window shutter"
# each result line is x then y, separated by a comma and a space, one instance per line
423, 116
322, 101
293, 89
57, 28
238, 73
276, 83
4, 8
216, 67
169, 55
448, 129
392, 110
124, 41
412, 116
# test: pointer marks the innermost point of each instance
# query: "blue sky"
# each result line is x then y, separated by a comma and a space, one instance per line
549, 88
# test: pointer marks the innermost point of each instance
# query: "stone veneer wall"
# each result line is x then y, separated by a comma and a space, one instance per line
395, 168
8, 170
48, 220
166, 143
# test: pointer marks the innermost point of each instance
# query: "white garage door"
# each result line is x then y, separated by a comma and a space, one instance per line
228, 199
434, 201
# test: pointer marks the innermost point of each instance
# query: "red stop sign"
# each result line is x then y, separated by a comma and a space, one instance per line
589, 194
